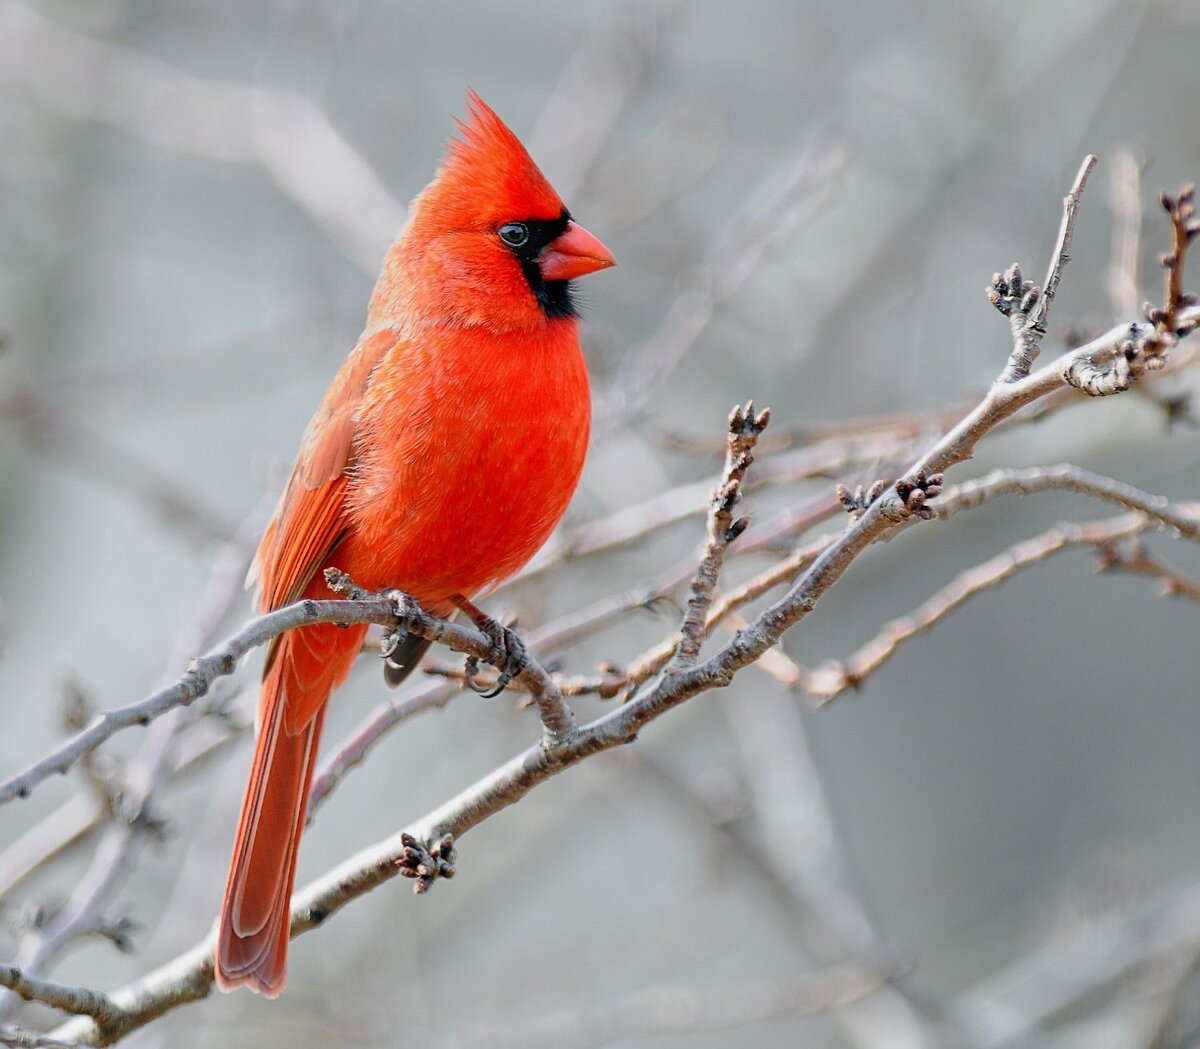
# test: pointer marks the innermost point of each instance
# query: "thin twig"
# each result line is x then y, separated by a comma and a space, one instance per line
1041, 312
723, 529
1178, 517
1181, 210
1028, 306
832, 678
1130, 555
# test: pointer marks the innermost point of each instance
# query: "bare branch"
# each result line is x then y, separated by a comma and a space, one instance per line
1181, 518
1060, 258
829, 680
1130, 555
1026, 305
744, 429
632, 523
19, 1038
1181, 211
1097, 954
77, 1000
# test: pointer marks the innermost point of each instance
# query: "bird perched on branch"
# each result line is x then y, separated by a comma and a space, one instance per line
440, 459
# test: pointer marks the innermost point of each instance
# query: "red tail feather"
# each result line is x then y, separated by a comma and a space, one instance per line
253, 938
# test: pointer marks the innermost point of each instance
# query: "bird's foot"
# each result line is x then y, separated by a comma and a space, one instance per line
509, 654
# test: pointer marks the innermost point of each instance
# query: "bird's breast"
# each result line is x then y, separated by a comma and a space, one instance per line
469, 450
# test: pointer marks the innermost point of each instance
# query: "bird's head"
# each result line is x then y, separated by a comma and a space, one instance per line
492, 234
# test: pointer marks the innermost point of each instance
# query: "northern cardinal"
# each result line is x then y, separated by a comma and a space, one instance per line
440, 459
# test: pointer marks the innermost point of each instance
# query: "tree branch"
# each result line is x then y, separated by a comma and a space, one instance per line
744, 429
1025, 304
829, 680
77, 1000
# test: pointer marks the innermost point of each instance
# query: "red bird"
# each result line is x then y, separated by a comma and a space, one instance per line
440, 459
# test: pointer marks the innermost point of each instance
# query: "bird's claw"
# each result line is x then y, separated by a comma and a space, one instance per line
391, 641
509, 656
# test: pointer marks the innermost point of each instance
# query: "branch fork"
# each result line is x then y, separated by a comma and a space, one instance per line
1144, 346
407, 616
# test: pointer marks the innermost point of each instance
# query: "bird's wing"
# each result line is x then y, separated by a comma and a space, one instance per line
311, 517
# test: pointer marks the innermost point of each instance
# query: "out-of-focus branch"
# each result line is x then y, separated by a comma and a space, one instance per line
768, 217
1095, 955
19, 1038
83, 813
597, 83
832, 678
1125, 196
90, 454
1130, 555
687, 1010
287, 136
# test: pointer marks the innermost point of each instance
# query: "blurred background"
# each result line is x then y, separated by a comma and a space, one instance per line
807, 200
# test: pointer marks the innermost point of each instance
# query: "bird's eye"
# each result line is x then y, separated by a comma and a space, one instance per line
514, 234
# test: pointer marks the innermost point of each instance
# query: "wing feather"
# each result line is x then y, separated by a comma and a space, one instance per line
311, 517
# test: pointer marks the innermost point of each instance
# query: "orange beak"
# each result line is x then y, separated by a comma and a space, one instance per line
573, 253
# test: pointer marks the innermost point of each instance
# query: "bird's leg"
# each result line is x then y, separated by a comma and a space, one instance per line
393, 640
509, 655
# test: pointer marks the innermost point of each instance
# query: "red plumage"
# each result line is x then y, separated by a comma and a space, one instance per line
440, 459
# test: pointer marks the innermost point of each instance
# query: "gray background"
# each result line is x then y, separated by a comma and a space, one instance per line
1029, 764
